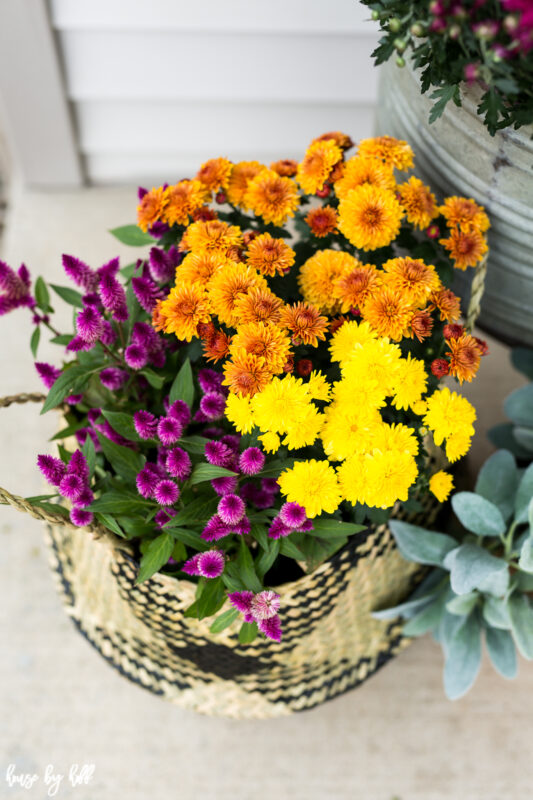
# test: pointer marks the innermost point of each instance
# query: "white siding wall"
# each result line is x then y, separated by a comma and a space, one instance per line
158, 86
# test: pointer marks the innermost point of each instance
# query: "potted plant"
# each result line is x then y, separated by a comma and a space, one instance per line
458, 88
243, 408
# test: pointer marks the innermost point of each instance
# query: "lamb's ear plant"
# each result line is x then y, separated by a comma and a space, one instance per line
517, 435
480, 586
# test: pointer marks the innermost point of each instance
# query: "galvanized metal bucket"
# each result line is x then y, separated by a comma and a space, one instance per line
456, 155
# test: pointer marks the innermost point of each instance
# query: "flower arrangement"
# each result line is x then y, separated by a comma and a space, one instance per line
487, 42
267, 380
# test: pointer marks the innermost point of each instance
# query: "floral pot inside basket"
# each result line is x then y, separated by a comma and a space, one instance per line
245, 407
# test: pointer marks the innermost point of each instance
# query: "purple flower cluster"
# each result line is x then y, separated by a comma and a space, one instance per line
72, 481
261, 608
162, 265
15, 288
213, 401
291, 519
206, 565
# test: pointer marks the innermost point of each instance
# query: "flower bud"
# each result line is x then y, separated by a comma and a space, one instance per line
400, 61
324, 191
395, 24
400, 45
417, 29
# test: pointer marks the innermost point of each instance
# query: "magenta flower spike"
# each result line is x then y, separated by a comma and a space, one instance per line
251, 461
108, 335
145, 424
163, 516
279, 529
211, 564
169, 430
110, 268
209, 380
78, 466
224, 485
71, 486
78, 344
80, 273
52, 469
81, 517
47, 373
218, 454
242, 601
215, 529
136, 356
212, 405
147, 293
178, 463
161, 265
292, 515
113, 297
113, 378
190, 567
147, 480
166, 492
180, 411
265, 604
89, 324
271, 628
231, 509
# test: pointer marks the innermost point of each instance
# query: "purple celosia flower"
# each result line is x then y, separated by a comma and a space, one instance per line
212, 405
233, 441
136, 356
158, 229
93, 415
190, 567
212, 432
242, 527
200, 416
47, 373
306, 526
218, 454
52, 468
169, 430
78, 466
141, 191
78, 344
211, 564
178, 463
16, 286
81, 517
113, 378
82, 434
85, 498
163, 516
166, 492
265, 604
209, 380
89, 324
263, 499
278, 529
92, 299
215, 529
270, 485
145, 424
180, 411
242, 601
147, 293
271, 628
108, 335
110, 433
292, 515
224, 485
80, 273
251, 461
147, 480
74, 399
145, 335
113, 297
231, 509
109, 269
161, 265
71, 486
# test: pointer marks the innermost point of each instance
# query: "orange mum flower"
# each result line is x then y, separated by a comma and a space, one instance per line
215, 173
359, 171
183, 309
465, 355
305, 323
151, 208
467, 214
258, 305
287, 167
418, 201
322, 220
240, 176
355, 287
466, 247
319, 159
266, 340
412, 278
213, 236
225, 287
447, 303
200, 267
318, 275
158, 318
392, 151
246, 373
370, 217
183, 200
217, 346
270, 256
388, 313
421, 325
272, 197
342, 140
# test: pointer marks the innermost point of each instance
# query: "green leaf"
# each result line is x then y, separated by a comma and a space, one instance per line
206, 472
42, 296
518, 406
526, 554
179, 551
498, 481
132, 235
405, 610
70, 296
246, 568
109, 522
194, 444
427, 619
419, 545
188, 537
183, 385
264, 561
224, 620
442, 96
478, 514
63, 338
462, 604
153, 378
327, 527
522, 360
288, 548
197, 512
463, 659
122, 423
317, 550
495, 613
130, 269
274, 467
248, 632
156, 556
119, 503
524, 495
503, 436
521, 615
472, 567
211, 599
69, 382
34, 341
502, 652
126, 462
524, 438
89, 452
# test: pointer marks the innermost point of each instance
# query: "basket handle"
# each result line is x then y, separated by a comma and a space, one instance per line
476, 293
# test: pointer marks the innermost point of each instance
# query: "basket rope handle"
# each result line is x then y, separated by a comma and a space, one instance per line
476, 293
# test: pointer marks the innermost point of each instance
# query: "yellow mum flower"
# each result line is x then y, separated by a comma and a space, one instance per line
449, 413
182, 310
320, 158
347, 337
272, 197
378, 361
270, 256
270, 441
458, 444
410, 382
370, 217
349, 429
264, 339
318, 275
441, 485
392, 151
419, 408
241, 174
313, 484
318, 386
396, 437
359, 171
305, 431
227, 285
419, 202
213, 236
281, 404
200, 267
352, 478
152, 207
388, 312
182, 200
389, 475
413, 279
239, 412
215, 173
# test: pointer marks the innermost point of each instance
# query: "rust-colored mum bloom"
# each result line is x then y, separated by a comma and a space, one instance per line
440, 367
200, 267
465, 356
342, 140
388, 313
322, 221
240, 176
151, 208
204, 214
258, 305
213, 236
272, 197
370, 217
305, 323
287, 167
421, 325
412, 278
266, 340
226, 286
359, 171
418, 201
183, 199
318, 275
447, 303
217, 346
158, 318
466, 248
246, 373
353, 288
215, 173
270, 256
183, 309
320, 158
392, 151
465, 213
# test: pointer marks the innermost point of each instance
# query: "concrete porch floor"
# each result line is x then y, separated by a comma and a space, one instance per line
394, 738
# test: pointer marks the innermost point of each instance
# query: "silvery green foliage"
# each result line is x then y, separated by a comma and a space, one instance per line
517, 435
480, 585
